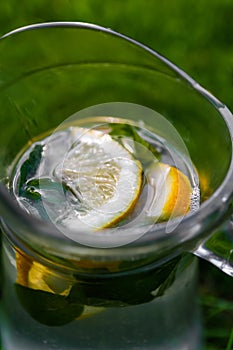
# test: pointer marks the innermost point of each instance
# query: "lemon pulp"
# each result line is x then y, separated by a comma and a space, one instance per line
105, 177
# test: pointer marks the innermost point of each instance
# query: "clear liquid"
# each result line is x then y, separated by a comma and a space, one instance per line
168, 322
48, 154
150, 307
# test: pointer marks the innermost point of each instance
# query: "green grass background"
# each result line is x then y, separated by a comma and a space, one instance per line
197, 35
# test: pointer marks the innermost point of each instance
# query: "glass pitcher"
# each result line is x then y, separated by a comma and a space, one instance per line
66, 294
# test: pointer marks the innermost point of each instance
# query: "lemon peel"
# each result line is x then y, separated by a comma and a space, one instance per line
169, 192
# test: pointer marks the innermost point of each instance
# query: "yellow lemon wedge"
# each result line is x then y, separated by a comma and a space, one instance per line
23, 263
169, 192
35, 275
104, 177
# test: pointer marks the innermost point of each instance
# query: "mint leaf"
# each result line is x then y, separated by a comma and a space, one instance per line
47, 308
166, 283
29, 167
127, 289
44, 188
125, 130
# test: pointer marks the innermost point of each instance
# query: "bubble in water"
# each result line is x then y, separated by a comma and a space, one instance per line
195, 199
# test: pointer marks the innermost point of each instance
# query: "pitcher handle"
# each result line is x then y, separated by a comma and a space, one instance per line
218, 247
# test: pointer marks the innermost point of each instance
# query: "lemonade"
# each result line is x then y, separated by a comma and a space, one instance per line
103, 173
106, 174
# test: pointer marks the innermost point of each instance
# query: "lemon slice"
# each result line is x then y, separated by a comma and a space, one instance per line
169, 192
104, 177
34, 275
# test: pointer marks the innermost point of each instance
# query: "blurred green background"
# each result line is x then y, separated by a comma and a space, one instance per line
196, 35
